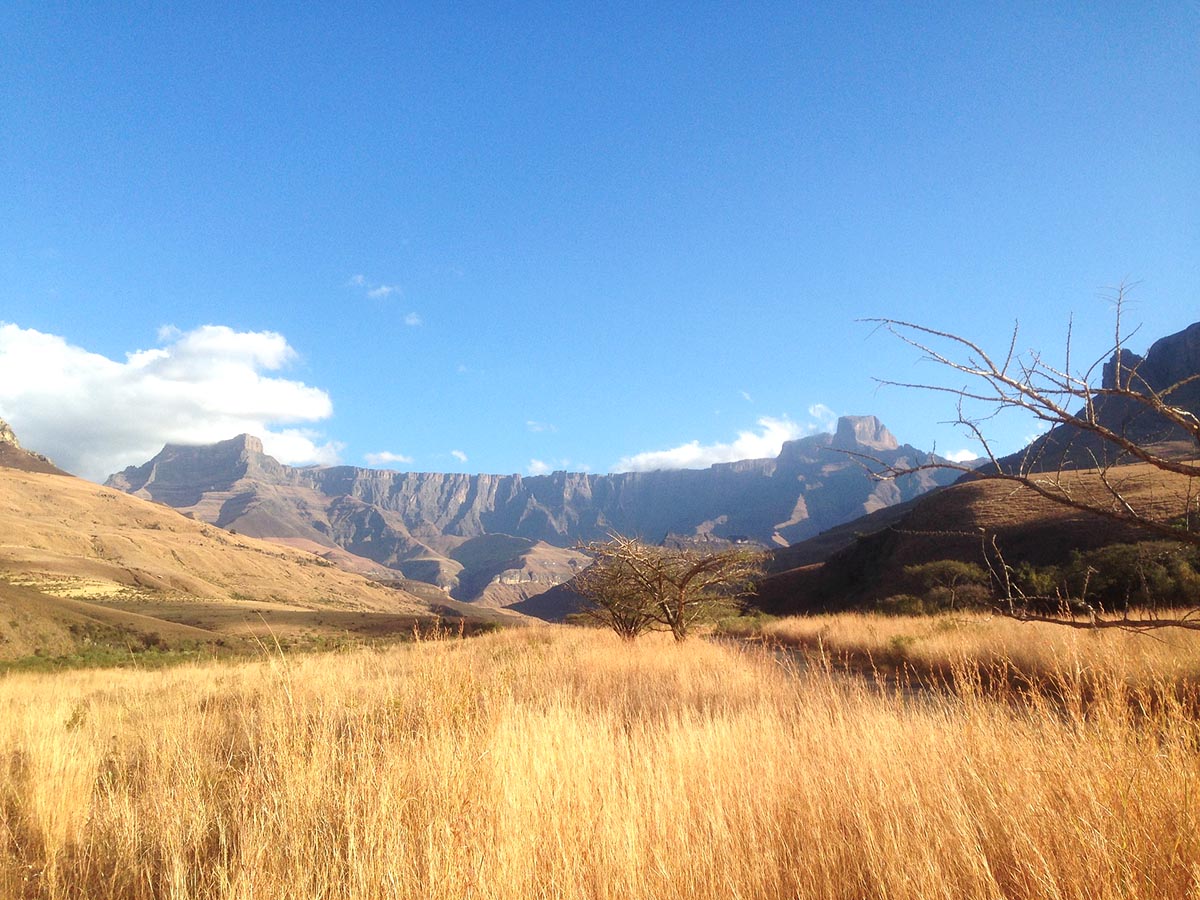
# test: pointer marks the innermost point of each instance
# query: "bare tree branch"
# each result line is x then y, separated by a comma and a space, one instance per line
1097, 432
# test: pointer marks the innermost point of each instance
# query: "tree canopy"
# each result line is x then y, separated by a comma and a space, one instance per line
633, 587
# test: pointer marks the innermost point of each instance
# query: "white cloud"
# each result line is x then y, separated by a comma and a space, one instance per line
386, 457
746, 396
760, 444
459, 455
825, 416
297, 446
374, 289
962, 456
93, 415
545, 467
412, 319
538, 427
1039, 429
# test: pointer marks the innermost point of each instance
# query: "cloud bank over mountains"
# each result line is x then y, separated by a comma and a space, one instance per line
385, 458
761, 444
93, 415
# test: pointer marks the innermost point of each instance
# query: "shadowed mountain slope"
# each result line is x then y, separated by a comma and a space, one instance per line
951, 523
864, 560
1171, 367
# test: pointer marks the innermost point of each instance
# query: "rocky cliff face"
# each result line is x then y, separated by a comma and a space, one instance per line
1170, 364
417, 522
8, 436
1173, 359
862, 433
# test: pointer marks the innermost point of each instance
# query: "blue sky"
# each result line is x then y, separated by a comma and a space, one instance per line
514, 237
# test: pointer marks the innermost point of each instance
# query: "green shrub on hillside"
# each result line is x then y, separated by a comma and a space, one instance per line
1147, 574
947, 584
1119, 576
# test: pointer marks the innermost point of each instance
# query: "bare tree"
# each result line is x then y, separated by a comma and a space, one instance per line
1100, 429
614, 596
633, 586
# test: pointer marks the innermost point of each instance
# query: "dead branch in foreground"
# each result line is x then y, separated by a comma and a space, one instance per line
1128, 418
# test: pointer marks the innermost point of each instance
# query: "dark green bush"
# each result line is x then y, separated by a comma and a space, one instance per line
904, 605
1155, 573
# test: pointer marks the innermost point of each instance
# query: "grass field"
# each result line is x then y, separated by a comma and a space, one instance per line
941, 646
562, 763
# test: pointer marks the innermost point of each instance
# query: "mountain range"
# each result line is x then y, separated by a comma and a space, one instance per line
87, 569
496, 540
169, 553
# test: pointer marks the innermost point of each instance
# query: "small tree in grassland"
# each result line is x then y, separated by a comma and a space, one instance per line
632, 586
614, 598
946, 581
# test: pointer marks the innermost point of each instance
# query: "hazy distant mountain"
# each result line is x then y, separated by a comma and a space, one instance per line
442, 528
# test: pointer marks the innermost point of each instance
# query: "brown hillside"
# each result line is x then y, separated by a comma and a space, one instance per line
948, 524
68, 530
13, 456
35, 622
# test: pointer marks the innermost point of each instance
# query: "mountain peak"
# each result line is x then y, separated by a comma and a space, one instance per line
243, 444
247, 443
189, 468
863, 432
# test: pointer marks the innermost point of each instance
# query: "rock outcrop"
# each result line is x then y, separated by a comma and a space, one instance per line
1174, 359
863, 433
7, 436
14, 456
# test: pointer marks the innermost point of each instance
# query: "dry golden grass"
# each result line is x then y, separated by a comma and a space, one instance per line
562, 763
981, 641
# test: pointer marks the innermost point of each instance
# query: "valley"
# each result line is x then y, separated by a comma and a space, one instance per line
600, 451
83, 566
303, 714
499, 540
